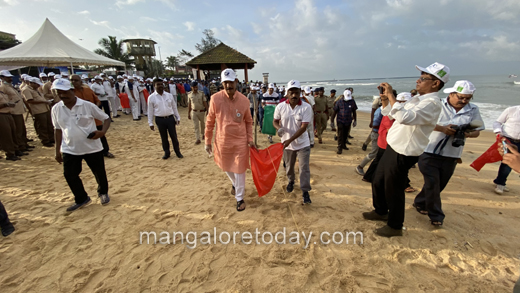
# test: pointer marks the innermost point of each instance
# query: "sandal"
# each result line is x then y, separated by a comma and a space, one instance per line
233, 190
410, 189
420, 210
239, 203
437, 224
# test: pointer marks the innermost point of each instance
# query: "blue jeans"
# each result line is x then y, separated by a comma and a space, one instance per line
504, 169
260, 117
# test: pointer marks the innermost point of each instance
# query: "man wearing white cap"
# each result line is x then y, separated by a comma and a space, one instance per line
197, 107
345, 111
307, 96
40, 109
407, 139
77, 139
17, 110
9, 142
43, 78
269, 99
440, 157
109, 90
290, 120
229, 110
46, 89
133, 85
99, 90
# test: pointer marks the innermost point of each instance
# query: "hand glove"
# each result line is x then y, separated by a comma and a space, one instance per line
354, 124
281, 132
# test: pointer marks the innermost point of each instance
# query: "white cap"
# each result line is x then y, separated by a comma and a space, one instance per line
65, 74
84, 76
293, 84
271, 85
404, 97
347, 95
228, 75
57, 76
27, 77
102, 74
438, 70
61, 84
130, 77
119, 76
307, 90
110, 77
97, 77
124, 75
43, 75
253, 88
35, 80
462, 87
6, 73
51, 74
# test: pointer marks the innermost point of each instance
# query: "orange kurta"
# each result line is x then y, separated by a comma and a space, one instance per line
233, 132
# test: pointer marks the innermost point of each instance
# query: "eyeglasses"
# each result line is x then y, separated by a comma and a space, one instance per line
423, 79
463, 98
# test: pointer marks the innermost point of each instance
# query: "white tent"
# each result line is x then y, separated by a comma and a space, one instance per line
49, 47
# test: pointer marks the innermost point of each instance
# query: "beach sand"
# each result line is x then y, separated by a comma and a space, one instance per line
96, 249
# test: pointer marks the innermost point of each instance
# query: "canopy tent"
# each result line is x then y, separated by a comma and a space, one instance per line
49, 47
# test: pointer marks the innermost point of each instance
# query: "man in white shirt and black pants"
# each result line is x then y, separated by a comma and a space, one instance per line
77, 139
440, 157
163, 106
407, 139
99, 89
291, 119
508, 126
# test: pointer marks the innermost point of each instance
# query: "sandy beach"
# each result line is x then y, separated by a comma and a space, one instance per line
97, 249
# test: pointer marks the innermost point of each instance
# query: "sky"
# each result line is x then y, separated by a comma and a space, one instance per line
304, 39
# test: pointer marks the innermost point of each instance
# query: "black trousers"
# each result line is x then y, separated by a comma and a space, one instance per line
388, 186
104, 141
4, 219
166, 126
21, 130
44, 128
369, 174
105, 106
343, 131
72, 167
437, 171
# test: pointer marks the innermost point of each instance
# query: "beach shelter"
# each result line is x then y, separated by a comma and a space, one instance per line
49, 47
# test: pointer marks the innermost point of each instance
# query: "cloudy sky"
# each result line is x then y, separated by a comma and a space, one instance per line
302, 39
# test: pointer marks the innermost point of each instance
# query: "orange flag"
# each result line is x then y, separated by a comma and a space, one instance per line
490, 156
264, 166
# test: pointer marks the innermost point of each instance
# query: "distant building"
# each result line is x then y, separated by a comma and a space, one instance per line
7, 35
142, 50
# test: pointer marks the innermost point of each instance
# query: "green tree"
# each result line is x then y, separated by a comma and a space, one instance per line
112, 48
208, 42
155, 69
172, 62
6, 42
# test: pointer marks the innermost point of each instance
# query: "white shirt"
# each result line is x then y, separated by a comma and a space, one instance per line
173, 89
414, 122
99, 90
508, 123
76, 124
162, 106
449, 116
311, 99
108, 88
291, 121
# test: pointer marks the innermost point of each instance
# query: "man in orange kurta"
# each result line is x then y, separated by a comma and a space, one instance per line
229, 109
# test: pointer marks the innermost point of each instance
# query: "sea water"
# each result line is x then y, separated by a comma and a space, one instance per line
493, 95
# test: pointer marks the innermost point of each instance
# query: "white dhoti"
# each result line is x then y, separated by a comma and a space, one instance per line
239, 182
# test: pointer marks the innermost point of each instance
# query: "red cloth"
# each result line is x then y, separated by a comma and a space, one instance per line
180, 88
385, 125
125, 102
264, 166
490, 156
146, 95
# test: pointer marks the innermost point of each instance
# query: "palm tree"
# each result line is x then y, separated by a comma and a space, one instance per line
172, 62
112, 48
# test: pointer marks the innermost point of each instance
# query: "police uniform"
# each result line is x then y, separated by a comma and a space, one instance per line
17, 113
320, 108
7, 129
42, 116
198, 110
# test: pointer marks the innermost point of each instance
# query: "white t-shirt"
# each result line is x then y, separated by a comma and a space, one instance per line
310, 98
76, 124
291, 120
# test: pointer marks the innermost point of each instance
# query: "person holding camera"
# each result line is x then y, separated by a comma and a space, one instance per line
507, 126
407, 139
458, 120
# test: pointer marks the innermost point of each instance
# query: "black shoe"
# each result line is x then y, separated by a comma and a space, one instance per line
387, 231
20, 153
306, 198
373, 216
350, 136
49, 145
290, 186
7, 230
104, 198
166, 156
12, 158
78, 205
29, 147
364, 147
180, 156
348, 142
137, 119
335, 137
339, 151
312, 145
345, 147
117, 116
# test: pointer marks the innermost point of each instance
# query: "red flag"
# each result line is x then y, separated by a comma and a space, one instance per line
146, 94
490, 156
125, 102
264, 166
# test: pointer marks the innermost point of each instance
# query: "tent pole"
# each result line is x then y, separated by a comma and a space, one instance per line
71, 68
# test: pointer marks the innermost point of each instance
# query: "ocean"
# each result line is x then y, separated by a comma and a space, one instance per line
493, 95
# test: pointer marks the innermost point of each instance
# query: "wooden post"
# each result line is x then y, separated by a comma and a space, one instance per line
255, 124
198, 72
245, 74
223, 66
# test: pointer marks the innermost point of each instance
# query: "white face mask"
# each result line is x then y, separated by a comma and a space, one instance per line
347, 98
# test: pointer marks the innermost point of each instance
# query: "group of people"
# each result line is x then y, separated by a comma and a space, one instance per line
406, 129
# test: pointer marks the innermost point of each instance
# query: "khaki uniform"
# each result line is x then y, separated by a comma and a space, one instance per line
213, 89
198, 111
9, 142
50, 94
17, 113
321, 114
41, 114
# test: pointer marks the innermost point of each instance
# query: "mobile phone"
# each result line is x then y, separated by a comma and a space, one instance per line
381, 90
504, 146
91, 135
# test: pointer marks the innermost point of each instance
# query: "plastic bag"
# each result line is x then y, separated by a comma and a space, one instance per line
490, 156
264, 166
267, 126
125, 102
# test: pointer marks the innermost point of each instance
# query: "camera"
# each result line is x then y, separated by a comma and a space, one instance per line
459, 137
